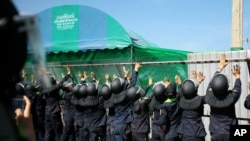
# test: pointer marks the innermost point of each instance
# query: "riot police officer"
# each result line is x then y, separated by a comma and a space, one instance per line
140, 126
53, 120
109, 107
222, 102
123, 112
191, 126
170, 117
68, 113
158, 98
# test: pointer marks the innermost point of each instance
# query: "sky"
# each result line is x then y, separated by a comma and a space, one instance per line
191, 25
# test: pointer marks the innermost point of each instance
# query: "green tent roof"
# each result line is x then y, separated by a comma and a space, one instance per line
91, 40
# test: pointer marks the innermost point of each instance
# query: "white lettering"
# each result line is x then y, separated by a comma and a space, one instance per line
240, 132
243, 131
65, 21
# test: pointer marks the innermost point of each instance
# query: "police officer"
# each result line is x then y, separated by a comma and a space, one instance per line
171, 113
158, 99
191, 126
53, 121
30, 92
40, 112
94, 117
68, 113
79, 111
123, 113
222, 102
110, 109
140, 126
79, 94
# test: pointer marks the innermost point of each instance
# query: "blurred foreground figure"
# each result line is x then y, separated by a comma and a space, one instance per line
14, 52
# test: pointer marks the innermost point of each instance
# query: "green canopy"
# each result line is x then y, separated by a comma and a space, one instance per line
95, 42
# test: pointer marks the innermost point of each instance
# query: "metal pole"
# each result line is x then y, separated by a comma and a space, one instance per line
237, 27
144, 63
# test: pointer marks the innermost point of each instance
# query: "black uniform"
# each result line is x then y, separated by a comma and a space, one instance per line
158, 134
110, 111
222, 113
37, 109
191, 126
247, 102
68, 117
140, 125
40, 112
110, 124
171, 114
53, 120
95, 121
79, 112
123, 112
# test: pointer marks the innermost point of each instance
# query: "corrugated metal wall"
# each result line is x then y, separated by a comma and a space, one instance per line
208, 64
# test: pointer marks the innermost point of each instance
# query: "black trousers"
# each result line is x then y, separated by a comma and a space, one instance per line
69, 128
140, 136
40, 132
157, 133
79, 123
53, 127
220, 137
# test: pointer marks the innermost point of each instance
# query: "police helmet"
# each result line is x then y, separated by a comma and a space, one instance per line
30, 87
171, 90
189, 88
66, 85
76, 90
92, 89
118, 85
159, 91
134, 93
83, 90
106, 91
219, 85
20, 89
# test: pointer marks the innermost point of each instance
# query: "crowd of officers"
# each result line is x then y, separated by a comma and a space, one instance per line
119, 110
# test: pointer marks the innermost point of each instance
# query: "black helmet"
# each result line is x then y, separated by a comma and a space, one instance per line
20, 89
30, 87
106, 91
159, 90
92, 98
171, 90
66, 85
92, 89
219, 85
189, 88
83, 92
118, 85
76, 90
219, 96
134, 93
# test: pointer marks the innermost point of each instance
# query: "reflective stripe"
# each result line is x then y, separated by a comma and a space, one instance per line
169, 100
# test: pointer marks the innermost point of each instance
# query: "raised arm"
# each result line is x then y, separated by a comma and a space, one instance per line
247, 100
132, 83
237, 84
